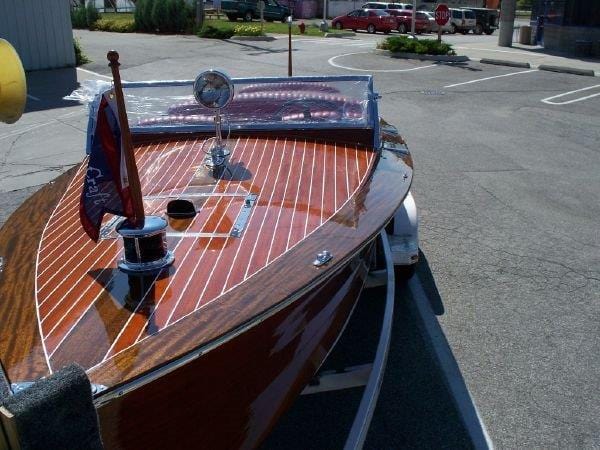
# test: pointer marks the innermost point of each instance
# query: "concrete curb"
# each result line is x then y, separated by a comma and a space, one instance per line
502, 62
440, 58
571, 70
252, 38
340, 35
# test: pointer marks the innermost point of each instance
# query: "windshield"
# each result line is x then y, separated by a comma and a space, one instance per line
266, 103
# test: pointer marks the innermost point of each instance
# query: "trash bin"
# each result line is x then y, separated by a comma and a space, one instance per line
525, 35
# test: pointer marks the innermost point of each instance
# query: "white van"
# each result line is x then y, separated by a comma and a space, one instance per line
462, 20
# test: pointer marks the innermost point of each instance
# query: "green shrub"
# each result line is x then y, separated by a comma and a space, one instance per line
91, 14
178, 15
160, 16
147, 24
115, 26
138, 15
215, 33
80, 57
421, 47
78, 17
247, 30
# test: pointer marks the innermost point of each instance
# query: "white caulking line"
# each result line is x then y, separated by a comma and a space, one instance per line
251, 212
90, 285
491, 78
141, 302
96, 74
94, 301
287, 244
312, 174
323, 184
71, 226
497, 51
335, 176
66, 208
287, 183
267, 208
199, 259
451, 372
35, 283
32, 97
547, 100
234, 286
357, 164
215, 264
331, 62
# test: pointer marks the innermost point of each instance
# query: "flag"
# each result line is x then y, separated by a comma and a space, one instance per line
105, 185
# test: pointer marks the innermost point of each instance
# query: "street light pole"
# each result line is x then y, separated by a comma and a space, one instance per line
289, 22
414, 13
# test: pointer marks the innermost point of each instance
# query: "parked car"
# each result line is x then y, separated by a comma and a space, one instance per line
487, 20
462, 20
387, 6
404, 21
371, 20
433, 26
248, 10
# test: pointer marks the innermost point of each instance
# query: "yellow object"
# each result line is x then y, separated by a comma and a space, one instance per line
13, 87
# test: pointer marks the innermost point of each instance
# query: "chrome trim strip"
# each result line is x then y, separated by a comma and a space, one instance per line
362, 420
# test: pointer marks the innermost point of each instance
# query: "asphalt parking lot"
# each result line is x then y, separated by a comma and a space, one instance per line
507, 183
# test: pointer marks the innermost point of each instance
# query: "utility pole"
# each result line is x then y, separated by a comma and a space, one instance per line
414, 14
199, 14
507, 22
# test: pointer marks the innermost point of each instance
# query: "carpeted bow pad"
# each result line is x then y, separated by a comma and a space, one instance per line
4, 385
56, 412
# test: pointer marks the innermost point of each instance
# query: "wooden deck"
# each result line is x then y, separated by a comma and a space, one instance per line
299, 186
69, 301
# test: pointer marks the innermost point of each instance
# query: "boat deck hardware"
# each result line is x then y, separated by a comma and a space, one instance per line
22, 385
110, 229
243, 216
145, 248
181, 209
322, 258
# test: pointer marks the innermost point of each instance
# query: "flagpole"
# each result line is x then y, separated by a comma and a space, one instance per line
132, 172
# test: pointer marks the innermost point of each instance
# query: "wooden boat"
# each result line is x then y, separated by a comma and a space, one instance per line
211, 349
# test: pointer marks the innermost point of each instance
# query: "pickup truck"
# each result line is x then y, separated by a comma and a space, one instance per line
249, 9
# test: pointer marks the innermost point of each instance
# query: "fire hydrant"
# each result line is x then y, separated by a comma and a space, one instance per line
302, 27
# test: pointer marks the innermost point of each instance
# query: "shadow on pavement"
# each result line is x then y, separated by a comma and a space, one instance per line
415, 408
46, 88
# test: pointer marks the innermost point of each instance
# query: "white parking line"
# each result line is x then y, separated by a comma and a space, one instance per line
549, 102
456, 384
332, 62
491, 78
95, 73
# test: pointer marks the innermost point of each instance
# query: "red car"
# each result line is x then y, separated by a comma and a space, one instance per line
371, 20
404, 19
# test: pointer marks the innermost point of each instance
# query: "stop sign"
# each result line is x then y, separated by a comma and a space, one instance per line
442, 14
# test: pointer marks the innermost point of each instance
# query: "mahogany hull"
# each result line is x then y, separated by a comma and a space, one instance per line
232, 396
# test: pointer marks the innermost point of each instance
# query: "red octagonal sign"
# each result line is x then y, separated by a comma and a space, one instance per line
442, 14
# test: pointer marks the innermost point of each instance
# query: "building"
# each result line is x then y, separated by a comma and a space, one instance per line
571, 26
40, 31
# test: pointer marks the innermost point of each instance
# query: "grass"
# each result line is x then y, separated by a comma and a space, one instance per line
269, 27
123, 22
